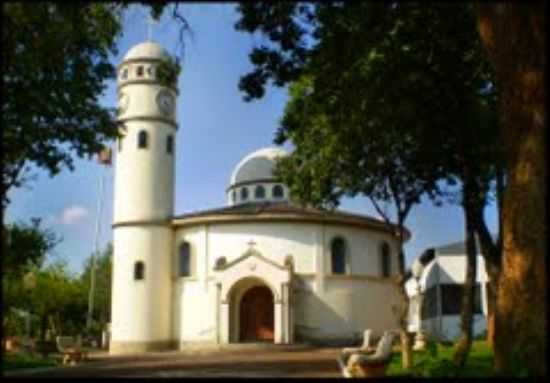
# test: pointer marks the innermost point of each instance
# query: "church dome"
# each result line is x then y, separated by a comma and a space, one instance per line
253, 180
147, 50
257, 166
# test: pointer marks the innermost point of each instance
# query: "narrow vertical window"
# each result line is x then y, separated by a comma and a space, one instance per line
120, 144
184, 260
338, 256
234, 196
385, 259
139, 270
244, 194
278, 191
139, 71
142, 139
259, 193
169, 144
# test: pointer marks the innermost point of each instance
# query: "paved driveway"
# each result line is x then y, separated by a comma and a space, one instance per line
234, 362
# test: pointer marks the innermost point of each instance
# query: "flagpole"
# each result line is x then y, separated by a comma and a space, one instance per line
96, 249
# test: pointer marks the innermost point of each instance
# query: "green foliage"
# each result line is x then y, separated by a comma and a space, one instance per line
26, 246
102, 295
55, 63
386, 103
168, 71
17, 361
436, 362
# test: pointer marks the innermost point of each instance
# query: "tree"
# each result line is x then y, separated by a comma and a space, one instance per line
522, 293
56, 298
332, 160
102, 296
55, 68
407, 79
55, 63
26, 246
25, 249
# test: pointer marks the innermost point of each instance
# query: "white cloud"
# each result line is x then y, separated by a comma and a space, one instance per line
73, 214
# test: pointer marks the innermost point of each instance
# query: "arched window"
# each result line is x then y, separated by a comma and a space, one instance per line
124, 74
169, 144
338, 256
278, 191
142, 139
385, 259
139, 270
244, 194
139, 71
259, 193
151, 71
184, 264
234, 196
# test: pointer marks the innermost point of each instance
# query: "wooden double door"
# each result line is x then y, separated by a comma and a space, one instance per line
256, 315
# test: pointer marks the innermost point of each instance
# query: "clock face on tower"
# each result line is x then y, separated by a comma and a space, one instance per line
165, 101
123, 101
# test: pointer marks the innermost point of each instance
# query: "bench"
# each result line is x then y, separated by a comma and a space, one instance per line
362, 363
364, 348
71, 349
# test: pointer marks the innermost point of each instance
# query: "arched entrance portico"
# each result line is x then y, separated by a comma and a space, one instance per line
256, 315
253, 298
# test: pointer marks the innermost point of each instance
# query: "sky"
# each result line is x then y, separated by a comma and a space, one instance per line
216, 130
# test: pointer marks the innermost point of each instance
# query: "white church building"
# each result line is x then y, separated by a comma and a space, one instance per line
261, 269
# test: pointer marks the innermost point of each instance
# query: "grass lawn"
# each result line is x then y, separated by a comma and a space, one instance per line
20, 360
438, 363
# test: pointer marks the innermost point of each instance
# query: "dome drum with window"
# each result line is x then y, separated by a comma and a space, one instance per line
253, 180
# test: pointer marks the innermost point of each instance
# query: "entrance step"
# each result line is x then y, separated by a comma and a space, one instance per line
193, 347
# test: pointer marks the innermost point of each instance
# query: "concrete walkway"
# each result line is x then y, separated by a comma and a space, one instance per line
228, 361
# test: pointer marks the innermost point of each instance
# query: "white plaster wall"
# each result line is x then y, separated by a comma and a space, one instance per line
142, 100
273, 240
141, 309
344, 308
364, 249
453, 269
197, 317
144, 178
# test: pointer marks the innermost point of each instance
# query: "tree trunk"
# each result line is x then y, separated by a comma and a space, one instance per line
43, 326
491, 302
514, 34
466, 316
492, 254
406, 344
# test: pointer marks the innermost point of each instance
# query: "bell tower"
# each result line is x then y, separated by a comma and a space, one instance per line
143, 202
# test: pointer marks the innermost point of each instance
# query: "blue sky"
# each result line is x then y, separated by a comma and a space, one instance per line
217, 129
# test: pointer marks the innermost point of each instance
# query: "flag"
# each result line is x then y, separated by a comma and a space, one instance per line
104, 156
